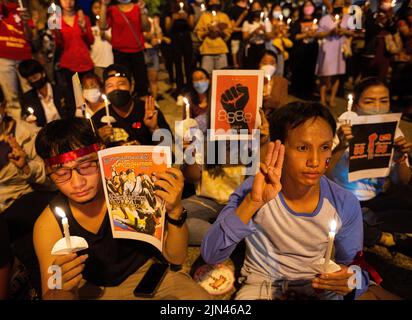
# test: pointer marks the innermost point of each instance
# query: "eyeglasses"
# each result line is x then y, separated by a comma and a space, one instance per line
86, 168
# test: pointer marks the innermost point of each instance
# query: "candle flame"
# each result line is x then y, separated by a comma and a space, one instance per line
350, 97
337, 17
214, 13
393, 4
53, 5
315, 21
333, 226
60, 212
289, 20
186, 100
104, 97
97, 17
88, 116
30, 110
203, 7
281, 17
262, 15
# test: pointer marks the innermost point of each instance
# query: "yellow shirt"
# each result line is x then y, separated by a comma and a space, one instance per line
209, 45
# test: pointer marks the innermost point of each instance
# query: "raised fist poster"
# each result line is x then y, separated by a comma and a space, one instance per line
371, 150
128, 175
235, 102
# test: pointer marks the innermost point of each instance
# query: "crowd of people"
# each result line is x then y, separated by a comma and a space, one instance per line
52, 125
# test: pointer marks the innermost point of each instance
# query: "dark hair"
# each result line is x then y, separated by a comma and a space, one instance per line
269, 53
61, 136
92, 76
194, 97
117, 68
250, 17
30, 67
301, 14
294, 114
365, 84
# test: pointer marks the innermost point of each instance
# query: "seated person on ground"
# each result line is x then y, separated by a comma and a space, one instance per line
45, 99
69, 148
135, 120
284, 213
389, 210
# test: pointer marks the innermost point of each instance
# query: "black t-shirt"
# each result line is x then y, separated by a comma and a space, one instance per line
132, 127
180, 25
5, 251
110, 260
234, 13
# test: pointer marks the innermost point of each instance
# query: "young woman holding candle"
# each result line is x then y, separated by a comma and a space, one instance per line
69, 148
390, 207
284, 214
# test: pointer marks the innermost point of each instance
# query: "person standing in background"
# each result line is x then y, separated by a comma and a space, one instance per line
128, 21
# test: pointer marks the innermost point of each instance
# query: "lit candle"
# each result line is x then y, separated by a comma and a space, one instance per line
337, 20
289, 21
65, 224
106, 106
30, 110
53, 5
181, 4
214, 16
97, 17
315, 21
21, 5
332, 234
281, 17
202, 7
31, 118
262, 16
187, 105
393, 4
269, 87
91, 121
350, 102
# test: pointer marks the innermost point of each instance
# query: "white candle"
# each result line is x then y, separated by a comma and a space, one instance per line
289, 21
53, 5
91, 121
187, 106
65, 224
315, 21
350, 102
281, 17
21, 4
262, 16
332, 234
202, 7
269, 87
181, 4
337, 20
214, 16
106, 106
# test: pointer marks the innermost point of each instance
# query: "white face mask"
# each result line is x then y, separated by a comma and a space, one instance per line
92, 95
268, 69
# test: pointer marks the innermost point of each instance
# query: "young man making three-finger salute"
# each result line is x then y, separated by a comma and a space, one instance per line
284, 214
112, 267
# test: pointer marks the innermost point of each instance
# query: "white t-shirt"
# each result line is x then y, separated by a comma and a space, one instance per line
250, 27
101, 53
50, 109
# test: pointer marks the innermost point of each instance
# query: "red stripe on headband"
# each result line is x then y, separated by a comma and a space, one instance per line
72, 155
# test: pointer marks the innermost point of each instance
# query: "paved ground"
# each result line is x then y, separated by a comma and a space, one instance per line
395, 270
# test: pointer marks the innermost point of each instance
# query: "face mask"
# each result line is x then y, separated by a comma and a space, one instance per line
119, 98
286, 13
124, 1
92, 95
309, 10
214, 7
276, 14
268, 69
369, 112
38, 84
201, 86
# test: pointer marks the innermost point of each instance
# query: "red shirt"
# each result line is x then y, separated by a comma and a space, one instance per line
122, 36
13, 42
76, 43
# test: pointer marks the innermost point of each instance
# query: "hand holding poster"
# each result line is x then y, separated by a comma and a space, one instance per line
129, 174
371, 149
236, 99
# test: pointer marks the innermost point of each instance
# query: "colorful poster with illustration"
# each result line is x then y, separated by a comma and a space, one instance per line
128, 175
235, 102
371, 150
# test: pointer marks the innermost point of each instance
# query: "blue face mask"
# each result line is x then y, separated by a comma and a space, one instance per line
124, 1
201, 86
